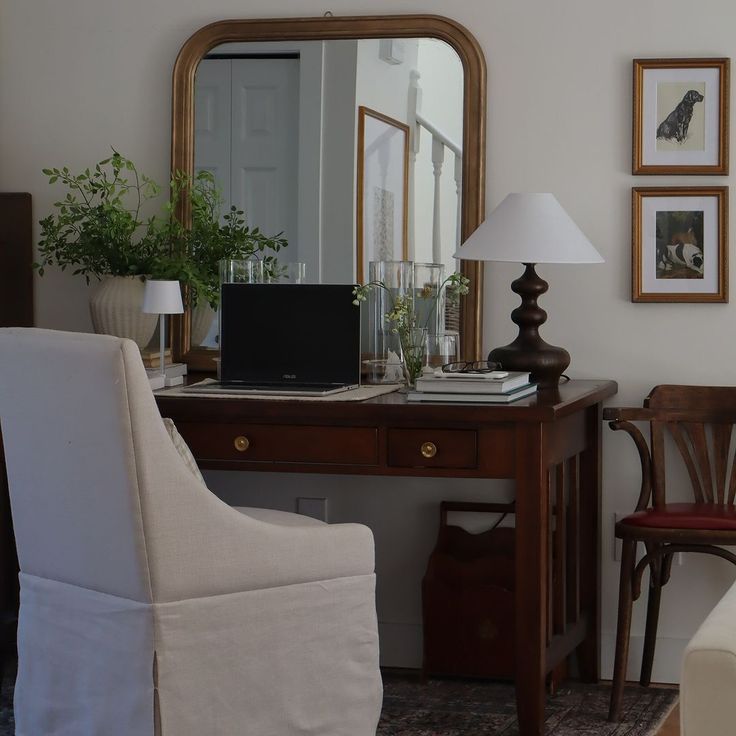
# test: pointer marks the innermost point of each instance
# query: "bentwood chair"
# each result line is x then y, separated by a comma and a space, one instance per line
699, 420
148, 606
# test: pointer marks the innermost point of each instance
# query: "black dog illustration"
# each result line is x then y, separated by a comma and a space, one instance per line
675, 125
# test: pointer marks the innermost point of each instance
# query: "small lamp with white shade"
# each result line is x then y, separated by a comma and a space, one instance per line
530, 228
163, 298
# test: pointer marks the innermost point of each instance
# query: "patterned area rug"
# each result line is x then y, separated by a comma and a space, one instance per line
471, 708
7, 724
475, 708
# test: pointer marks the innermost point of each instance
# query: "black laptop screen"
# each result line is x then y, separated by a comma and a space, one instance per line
289, 333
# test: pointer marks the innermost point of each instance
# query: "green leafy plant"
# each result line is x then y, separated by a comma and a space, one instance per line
402, 317
98, 228
209, 239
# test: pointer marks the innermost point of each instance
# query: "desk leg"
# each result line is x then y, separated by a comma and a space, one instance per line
532, 530
590, 522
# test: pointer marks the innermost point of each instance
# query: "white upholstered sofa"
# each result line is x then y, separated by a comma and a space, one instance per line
708, 680
148, 606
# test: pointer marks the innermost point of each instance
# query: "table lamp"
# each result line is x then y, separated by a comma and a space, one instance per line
530, 229
162, 298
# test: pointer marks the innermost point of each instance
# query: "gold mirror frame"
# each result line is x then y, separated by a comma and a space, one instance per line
330, 28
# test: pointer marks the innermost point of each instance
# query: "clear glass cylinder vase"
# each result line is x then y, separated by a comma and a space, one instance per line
393, 281
442, 348
413, 352
242, 271
429, 297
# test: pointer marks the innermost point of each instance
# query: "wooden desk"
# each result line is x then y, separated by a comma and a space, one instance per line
550, 444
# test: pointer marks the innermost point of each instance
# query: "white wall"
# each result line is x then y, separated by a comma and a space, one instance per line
381, 86
79, 76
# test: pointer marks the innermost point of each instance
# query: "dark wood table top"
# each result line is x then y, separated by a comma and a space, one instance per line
546, 405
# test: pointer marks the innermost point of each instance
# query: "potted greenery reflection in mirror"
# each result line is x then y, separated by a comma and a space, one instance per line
211, 238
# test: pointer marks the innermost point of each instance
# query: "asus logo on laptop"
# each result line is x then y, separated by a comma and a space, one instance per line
289, 376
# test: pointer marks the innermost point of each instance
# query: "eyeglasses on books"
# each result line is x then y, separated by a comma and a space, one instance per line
471, 366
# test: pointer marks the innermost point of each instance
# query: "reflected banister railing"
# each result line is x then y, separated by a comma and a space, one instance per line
438, 134
440, 142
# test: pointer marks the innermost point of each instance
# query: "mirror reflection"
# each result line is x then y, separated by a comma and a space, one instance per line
350, 148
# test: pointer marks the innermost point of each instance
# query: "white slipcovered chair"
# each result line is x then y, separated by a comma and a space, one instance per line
148, 606
708, 679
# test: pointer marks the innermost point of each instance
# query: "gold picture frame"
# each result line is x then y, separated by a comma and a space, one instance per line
679, 244
681, 109
382, 204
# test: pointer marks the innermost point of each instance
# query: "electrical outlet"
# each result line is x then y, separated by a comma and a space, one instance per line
314, 507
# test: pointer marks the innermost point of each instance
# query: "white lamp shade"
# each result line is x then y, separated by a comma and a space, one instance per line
162, 297
529, 228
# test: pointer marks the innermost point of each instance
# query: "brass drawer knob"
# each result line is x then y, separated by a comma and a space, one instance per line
241, 443
428, 449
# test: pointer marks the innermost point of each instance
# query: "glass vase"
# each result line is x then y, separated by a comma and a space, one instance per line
244, 271
294, 272
442, 348
413, 352
429, 301
383, 362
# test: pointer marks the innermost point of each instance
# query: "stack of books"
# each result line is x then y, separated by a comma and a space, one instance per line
174, 372
497, 387
152, 358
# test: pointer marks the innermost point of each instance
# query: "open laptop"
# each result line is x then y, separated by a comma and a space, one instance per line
296, 339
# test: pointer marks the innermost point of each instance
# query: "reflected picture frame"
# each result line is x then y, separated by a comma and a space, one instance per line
681, 116
382, 206
679, 244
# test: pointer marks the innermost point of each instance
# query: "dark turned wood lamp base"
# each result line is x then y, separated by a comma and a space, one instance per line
528, 352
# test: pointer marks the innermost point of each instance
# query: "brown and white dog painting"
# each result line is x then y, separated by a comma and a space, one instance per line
679, 253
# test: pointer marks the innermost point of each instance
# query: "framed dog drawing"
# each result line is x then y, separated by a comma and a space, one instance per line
679, 244
681, 116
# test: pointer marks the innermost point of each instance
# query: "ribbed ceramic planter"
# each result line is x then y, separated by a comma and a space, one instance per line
116, 308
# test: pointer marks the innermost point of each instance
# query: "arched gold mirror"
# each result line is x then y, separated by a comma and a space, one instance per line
333, 55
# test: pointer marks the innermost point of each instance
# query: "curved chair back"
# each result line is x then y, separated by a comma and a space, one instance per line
66, 425
700, 420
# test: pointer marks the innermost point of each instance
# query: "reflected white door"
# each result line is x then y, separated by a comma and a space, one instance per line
213, 121
247, 135
265, 145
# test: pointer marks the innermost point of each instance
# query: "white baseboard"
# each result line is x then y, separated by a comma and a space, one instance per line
401, 646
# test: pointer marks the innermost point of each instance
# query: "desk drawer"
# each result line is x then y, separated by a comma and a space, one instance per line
282, 443
432, 448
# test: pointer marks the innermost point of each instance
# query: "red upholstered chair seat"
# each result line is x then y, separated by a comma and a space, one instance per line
714, 517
